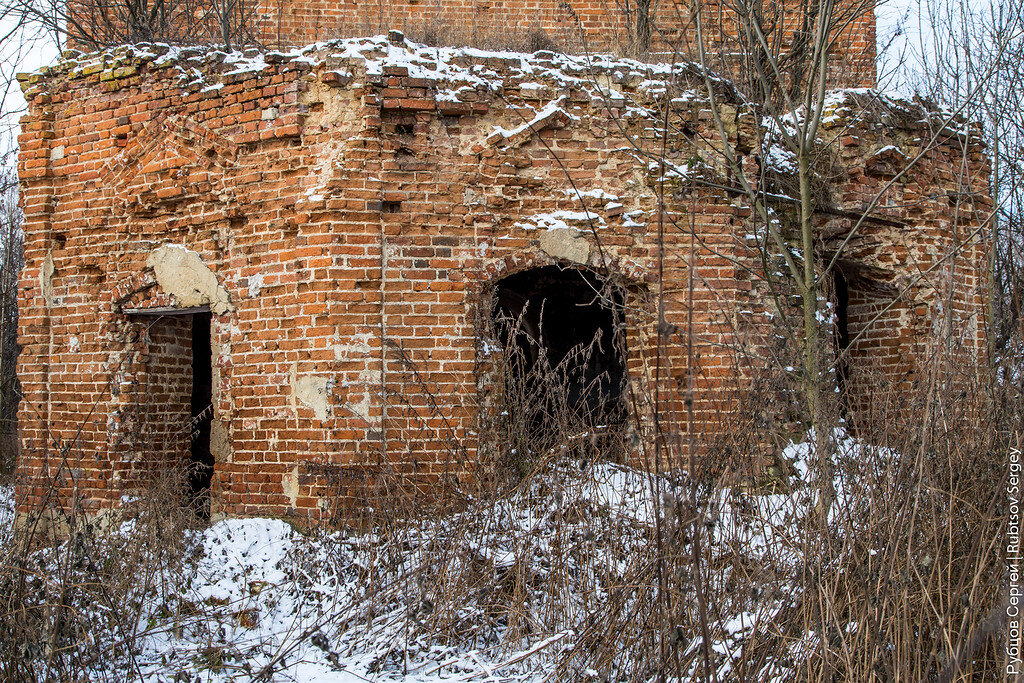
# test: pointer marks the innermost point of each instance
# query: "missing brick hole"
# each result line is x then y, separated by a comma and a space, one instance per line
60, 241
390, 207
405, 129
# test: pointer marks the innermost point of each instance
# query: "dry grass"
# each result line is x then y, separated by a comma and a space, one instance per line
555, 562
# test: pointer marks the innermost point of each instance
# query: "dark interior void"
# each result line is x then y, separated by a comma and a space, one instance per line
200, 470
841, 287
566, 364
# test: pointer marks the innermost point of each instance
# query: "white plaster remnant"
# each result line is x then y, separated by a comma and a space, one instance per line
255, 285
181, 273
220, 441
358, 347
313, 392
57, 153
565, 243
46, 273
290, 484
361, 409
364, 388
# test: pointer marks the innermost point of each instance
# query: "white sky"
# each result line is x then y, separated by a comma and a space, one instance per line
896, 31
20, 51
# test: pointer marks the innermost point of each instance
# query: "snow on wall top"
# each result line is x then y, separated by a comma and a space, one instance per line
452, 73
459, 80
464, 74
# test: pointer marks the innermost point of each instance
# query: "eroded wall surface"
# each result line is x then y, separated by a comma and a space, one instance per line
344, 211
585, 26
664, 30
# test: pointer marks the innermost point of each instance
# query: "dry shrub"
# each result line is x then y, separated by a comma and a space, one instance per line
73, 587
898, 579
553, 560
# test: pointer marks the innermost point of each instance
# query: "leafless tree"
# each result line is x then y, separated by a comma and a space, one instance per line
94, 24
10, 267
967, 56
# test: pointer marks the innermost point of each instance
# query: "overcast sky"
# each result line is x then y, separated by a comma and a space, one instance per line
897, 30
20, 51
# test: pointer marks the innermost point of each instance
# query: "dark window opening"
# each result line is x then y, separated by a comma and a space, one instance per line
566, 368
200, 471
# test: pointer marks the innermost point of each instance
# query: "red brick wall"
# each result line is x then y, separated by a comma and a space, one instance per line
917, 270
577, 27
587, 25
350, 222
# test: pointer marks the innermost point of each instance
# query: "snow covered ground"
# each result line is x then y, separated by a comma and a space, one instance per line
510, 589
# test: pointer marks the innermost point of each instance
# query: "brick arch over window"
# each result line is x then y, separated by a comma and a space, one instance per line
565, 342
174, 162
626, 272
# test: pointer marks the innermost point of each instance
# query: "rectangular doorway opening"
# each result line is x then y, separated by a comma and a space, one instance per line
200, 466
168, 404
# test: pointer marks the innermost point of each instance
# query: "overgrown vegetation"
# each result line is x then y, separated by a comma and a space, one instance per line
563, 565
574, 550
11, 259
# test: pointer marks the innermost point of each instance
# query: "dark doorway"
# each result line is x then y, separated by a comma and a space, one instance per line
561, 331
200, 471
841, 287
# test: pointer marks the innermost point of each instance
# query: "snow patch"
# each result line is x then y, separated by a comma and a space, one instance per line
6, 512
560, 220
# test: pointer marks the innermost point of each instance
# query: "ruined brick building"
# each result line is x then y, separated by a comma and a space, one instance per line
292, 265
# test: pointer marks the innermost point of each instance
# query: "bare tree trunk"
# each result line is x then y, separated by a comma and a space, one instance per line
643, 27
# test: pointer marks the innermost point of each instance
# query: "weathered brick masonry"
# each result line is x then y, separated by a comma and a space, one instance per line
576, 26
343, 214
579, 25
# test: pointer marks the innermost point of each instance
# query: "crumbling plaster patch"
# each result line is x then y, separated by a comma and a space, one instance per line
565, 243
182, 274
46, 273
358, 346
290, 485
312, 391
220, 441
220, 435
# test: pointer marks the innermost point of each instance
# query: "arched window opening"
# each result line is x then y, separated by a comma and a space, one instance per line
860, 294
565, 366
